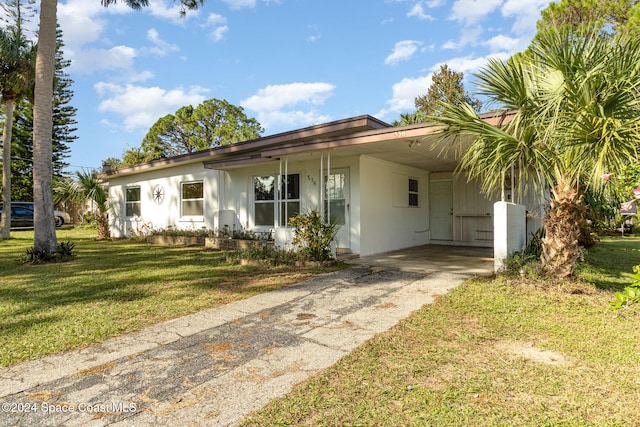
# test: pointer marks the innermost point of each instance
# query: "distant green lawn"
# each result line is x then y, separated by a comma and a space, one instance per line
492, 352
113, 287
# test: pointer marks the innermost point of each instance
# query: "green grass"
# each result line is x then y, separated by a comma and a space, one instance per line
493, 352
111, 288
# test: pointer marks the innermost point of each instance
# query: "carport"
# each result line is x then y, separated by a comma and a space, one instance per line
453, 259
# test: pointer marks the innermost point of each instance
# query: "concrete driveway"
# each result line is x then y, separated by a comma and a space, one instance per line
214, 367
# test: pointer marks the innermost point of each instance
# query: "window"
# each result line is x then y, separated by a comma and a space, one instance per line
193, 198
413, 192
132, 203
335, 197
266, 198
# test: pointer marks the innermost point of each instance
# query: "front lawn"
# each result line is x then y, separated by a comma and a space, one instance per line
114, 287
493, 352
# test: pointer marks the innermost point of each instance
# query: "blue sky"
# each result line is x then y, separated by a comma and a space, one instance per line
288, 63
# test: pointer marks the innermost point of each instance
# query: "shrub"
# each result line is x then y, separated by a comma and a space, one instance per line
313, 237
630, 294
64, 252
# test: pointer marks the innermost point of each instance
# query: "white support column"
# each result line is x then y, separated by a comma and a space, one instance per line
509, 231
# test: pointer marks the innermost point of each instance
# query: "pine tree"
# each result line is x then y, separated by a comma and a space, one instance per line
63, 132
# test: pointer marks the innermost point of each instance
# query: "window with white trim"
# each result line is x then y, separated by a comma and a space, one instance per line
132, 201
271, 206
192, 198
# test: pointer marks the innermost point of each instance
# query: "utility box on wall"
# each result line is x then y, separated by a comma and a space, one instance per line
509, 231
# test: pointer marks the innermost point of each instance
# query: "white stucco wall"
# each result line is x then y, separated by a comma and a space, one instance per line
167, 213
240, 198
386, 222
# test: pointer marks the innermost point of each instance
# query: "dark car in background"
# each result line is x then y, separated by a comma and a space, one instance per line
22, 215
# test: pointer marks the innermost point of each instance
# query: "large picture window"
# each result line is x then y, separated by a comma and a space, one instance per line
132, 201
267, 199
193, 198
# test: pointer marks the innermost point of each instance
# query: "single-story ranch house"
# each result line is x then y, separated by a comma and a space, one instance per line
389, 188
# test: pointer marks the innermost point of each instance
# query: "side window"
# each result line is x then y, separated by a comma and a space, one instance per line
132, 201
413, 192
192, 198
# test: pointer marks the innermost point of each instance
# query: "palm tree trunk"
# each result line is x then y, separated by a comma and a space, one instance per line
43, 219
5, 233
561, 247
103, 226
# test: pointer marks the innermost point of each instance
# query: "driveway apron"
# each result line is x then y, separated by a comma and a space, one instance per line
216, 366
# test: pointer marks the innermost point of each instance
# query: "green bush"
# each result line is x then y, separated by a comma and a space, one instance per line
630, 294
313, 237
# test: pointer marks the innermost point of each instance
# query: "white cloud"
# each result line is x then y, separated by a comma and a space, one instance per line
219, 24
289, 104
141, 106
79, 23
418, 11
468, 64
502, 43
402, 51
526, 13
89, 60
169, 11
405, 93
240, 4
471, 11
470, 36
161, 47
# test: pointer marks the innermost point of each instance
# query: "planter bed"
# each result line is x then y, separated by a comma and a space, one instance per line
176, 240
236, 244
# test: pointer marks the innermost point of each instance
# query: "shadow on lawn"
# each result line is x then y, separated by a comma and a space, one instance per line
609, 264
124, 271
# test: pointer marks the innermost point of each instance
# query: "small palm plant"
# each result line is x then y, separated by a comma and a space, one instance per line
87, 187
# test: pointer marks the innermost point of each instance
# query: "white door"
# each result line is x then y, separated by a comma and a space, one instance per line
336, 203
441, 209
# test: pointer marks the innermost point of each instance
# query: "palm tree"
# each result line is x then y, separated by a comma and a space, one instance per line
43, 222
87, 187
576, 98
16, 83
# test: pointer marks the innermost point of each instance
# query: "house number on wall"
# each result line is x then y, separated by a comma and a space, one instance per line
158, 193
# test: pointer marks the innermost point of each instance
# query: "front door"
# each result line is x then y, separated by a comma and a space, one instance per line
336, 203
441, 203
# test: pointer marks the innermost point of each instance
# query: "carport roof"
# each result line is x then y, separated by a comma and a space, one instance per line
413, 145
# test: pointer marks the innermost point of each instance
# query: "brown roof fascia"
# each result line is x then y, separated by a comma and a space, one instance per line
325, 130
379, 135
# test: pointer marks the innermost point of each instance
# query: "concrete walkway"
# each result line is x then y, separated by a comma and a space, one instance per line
216, 366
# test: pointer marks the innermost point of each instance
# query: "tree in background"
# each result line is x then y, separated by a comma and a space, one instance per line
211, 124
446, 87
408, 119
611, 17
44, 240
622, 16
576, 97
63, 132
17, 55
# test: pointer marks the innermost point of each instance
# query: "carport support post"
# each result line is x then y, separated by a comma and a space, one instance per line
509, 232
